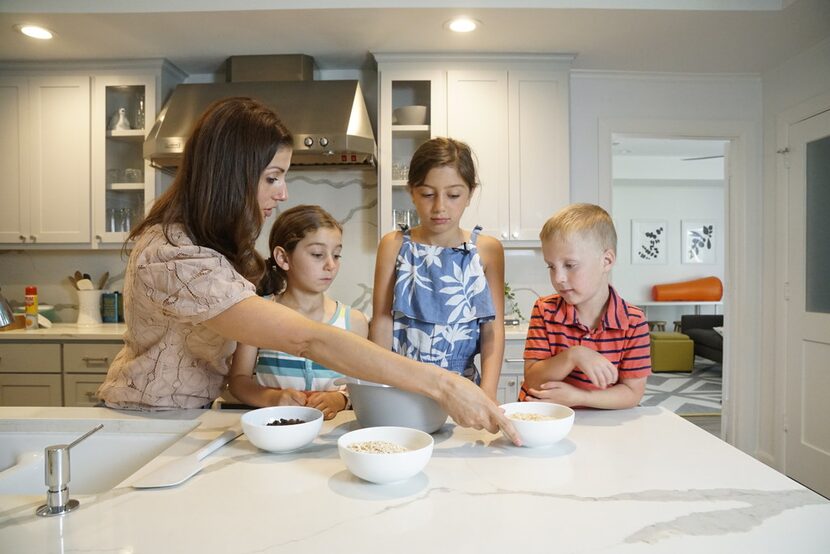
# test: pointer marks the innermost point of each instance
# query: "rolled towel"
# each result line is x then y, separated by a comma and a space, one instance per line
707, 289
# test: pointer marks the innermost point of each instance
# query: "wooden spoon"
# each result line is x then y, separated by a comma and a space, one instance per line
78, 276
73, 281
103, 281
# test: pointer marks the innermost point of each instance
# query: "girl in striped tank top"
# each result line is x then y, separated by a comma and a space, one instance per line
305, 243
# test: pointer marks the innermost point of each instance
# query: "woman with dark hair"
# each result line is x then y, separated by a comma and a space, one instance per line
189, 286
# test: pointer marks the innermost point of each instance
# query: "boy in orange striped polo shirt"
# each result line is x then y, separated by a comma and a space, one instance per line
586, 346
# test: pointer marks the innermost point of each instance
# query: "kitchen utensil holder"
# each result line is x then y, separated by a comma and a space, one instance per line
89, 307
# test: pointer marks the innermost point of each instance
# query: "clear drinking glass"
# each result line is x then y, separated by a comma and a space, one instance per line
126, 219
113, 223
138, 116
133, 175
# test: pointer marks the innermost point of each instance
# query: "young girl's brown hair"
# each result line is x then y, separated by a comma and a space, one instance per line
441, 152
288, 230
215, 200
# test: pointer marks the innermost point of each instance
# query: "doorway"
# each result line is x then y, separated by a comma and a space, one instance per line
668, 202
742, 288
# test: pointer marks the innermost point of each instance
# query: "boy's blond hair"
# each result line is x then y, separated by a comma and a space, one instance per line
584, 219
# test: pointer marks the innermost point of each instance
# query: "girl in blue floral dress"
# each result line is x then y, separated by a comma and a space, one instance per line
439, 289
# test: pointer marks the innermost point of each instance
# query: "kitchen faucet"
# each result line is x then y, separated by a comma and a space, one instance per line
6, 316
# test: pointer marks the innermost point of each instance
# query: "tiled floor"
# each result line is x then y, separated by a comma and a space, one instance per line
707, 423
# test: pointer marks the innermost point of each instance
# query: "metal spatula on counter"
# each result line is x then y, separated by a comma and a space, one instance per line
180, 470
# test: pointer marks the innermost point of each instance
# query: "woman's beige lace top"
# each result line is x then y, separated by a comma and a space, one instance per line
169, 359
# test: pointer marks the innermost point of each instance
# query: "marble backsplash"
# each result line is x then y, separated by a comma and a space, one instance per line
350, 195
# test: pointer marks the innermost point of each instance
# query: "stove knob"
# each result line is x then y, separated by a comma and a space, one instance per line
308, 141
324, 142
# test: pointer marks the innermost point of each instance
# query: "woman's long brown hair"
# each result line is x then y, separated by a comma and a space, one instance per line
214, 194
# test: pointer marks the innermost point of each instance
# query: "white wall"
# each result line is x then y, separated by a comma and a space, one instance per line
600, 97
797, 80
673, 202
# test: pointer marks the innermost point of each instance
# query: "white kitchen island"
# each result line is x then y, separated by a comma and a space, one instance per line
640, 480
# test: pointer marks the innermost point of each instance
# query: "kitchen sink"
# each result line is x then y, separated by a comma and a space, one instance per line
97, 464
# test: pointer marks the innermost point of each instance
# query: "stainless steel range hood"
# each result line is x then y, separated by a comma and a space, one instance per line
329, 119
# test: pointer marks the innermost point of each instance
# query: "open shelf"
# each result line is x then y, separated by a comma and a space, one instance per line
126, 186
130, 135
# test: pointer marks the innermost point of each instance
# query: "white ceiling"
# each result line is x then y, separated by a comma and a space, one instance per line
704, 36
671, 148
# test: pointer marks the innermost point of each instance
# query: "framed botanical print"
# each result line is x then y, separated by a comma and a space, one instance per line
648, 241
699, 241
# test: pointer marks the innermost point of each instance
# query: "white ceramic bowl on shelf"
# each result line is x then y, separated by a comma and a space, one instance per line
410, 115
554, 424
385, 468
282, 438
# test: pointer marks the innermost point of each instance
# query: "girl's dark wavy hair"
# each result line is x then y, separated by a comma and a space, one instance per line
288, 230
214, 194
441, 152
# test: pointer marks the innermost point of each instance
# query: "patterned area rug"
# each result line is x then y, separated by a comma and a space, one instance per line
695, 393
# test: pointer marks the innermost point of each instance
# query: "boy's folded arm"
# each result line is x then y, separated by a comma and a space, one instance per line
555, 368
625, 394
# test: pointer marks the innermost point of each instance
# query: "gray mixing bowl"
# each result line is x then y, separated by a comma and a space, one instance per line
381, 405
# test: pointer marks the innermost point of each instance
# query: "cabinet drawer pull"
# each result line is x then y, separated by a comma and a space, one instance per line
91, 395
514, 360
96, 361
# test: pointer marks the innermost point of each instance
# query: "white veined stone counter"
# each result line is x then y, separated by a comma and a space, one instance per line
639, 480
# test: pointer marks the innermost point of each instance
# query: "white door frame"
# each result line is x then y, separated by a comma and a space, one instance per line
742, 267
798, 113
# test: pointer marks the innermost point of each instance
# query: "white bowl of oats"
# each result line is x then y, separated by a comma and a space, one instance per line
385, 454
539, 423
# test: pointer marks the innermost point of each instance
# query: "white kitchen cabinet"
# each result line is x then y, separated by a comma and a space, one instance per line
123, 183
80, 389
397, 143
516, 122
23, 389
512, 371
513, 112
85, 366
64, 176
44, 159
64, 373
508, 388
30, 375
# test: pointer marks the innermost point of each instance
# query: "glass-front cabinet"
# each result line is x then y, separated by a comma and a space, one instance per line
123, 184
512, 110
412, 111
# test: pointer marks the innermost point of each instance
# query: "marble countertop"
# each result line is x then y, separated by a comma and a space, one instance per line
639, 480
114, 331
67, 331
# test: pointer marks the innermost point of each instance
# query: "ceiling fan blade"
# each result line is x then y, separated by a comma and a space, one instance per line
701, 158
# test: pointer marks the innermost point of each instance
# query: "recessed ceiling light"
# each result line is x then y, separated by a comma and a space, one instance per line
34, 31
462, 24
